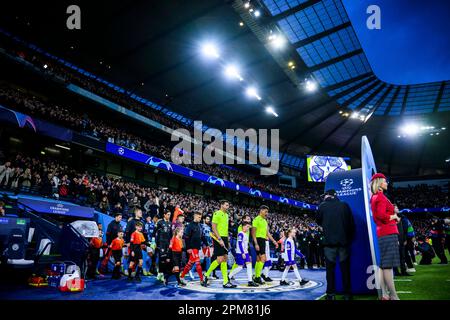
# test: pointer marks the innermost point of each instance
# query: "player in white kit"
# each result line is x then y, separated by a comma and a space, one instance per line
242, 255
289, 257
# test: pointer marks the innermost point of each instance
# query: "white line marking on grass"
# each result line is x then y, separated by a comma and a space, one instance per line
404, 291
321, 296
403, 280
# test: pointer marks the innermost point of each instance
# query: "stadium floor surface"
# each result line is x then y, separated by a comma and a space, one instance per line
152, 289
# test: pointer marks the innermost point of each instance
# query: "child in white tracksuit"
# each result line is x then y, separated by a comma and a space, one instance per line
242, 255
289, 257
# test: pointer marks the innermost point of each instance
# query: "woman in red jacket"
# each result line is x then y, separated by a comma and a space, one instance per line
387, 233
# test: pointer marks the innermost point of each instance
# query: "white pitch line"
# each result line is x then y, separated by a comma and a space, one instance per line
403, 280
321, 296
404, 291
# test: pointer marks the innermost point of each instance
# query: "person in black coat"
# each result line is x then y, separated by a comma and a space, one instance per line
163, 234
131, 225
336, 219
438, 239
113, 228
426, 250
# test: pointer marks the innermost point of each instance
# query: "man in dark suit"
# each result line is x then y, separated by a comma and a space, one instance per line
336, 220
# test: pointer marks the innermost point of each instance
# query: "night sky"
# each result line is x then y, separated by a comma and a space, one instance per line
413, 45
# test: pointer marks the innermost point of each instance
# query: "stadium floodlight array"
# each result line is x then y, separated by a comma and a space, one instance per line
253, 92
277, 41
232, 71
414, 129
210, 50
269, 109
310, 85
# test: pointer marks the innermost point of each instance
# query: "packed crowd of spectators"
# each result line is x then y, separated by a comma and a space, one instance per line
420, 196
72, 118
50, 178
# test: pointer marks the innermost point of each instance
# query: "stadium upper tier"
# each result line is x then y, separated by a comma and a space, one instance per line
190, 86
324, 38
71, 73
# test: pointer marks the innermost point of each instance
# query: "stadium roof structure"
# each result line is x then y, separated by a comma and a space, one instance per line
152, 48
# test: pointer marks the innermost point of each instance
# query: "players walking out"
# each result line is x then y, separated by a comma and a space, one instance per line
193, 239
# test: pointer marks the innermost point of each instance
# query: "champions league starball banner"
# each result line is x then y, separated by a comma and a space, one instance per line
58, 208
353, 188
319, 167
200, 176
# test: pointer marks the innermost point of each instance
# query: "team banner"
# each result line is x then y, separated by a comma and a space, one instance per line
200, 176
57, 207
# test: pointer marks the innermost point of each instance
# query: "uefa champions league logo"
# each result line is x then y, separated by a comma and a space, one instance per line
284, 200
216, 286
255, 192
121, 151
346, 183
321, 166
191, 173
216, 181
237, 187
159, 163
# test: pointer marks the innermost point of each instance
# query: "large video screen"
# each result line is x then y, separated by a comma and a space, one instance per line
319, 167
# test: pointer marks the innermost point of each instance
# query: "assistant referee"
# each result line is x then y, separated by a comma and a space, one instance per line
221, 245
260, 234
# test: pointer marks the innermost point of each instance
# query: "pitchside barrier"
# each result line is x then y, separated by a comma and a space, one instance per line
353, 187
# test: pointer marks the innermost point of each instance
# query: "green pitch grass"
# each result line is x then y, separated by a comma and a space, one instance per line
430, 282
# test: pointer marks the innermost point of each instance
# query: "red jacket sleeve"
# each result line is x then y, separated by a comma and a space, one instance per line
381, 210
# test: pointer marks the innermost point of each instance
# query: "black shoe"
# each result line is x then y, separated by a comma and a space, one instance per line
443, 262
229, 285
266, 279
258, 280
204, 283
330, 297
348, 297
303, 282
284, 283
231, 278
253, 284
405, 274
